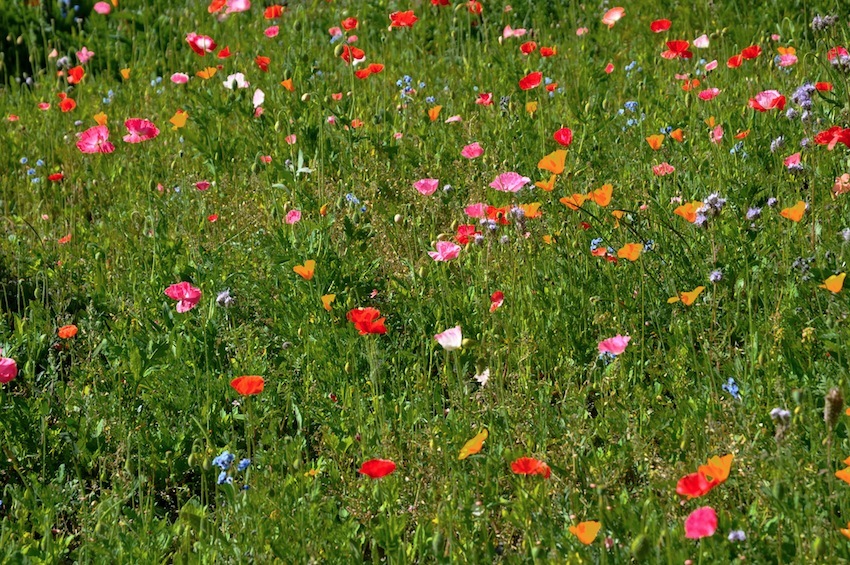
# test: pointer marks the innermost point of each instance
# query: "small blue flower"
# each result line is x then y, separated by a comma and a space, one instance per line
243, 464
732, 388
595, 243
222, 477
631, 106
224, 460
407, 79
352, 199
30, 172
39, 163
24, 160
430, 99
715, 276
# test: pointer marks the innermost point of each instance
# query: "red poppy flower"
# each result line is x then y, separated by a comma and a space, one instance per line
362, 73
377, 468
529, 466
485, 99
836, 52
551, 87
441, 2
224, 53
464, 233
263, 63
350, 54
496, 300
247, 386
200, 44
76, 74
403, 19
67, 332
216, 5
735, 61
767, 100
660, 25
677, 49
528, 47
823, 86
349, 23
273, 12
64, 239
67, 105
695, 485
367, 321
833, 136
751, 52
376, 68
499, 215
55, 177
531, 80
474, 7
564, 136
548, 51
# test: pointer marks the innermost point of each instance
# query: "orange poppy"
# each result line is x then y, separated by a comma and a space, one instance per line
287, 84
100, 119
306, 270
178, 120
474, 445
795, 212
687, 298
678, 135
327, 300
553, 162
655, 141
125, 74
630, 251
529, 466
67, 332
247, 386
846, 531
717, 468
844, 474
207, 73
602, 195
434, 113
531, 210
573, 202
834, 284
549, 185
688, 210
586, 531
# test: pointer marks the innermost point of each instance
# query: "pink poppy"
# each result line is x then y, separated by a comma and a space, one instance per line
834, 54
140, 130
451, 339
787, 60
612, 16
664, 168
793, 161
200, 44
581, 31
102, 8
472, 151
258, 99
508, 32
291, 139
711, 66
426, 186
609, 68
453, 119
842, 184
8, 369
614, 345
44, 105
272, 31
708, 93
510, 182
179, 78
716, 135
701, 42
95, 140
701, 523
446, 251
478, 210
767, 100
203, 185
234, 6
485, 99
187, 296
83, 55
293, 217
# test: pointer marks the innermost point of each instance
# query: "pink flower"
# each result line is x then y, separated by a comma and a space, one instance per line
472, 151
711, 66
508, 32
140, 130
83, 55
793, 161
581, 31
187, 296
701, 42
8, 369
272, 31
179, 78
614, 345
426, 186
485, 99
708, 93
203, 185
293, 217
453, 119
234, 6
478, 210
716, 135
510, 182
266, 159
102, 8
701, 523
291, 139
258, 99
200, 44
609, 68
787, 60
767, 100
451, 339
842, 184
446, 251
44, 105
664, 168
94, 140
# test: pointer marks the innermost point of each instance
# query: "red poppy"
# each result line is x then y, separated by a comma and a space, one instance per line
695, 485
273, 12
499, 215
531, 80
528, 47
474, 7
224, 53
349, 23
767, 100
833, 136
564, 136
660, 25
677, 49
67, 332
465, 232
551, 87
751, 52
216, 5
376, 68
485, 99
441, 2
351, 54
67, 104
367, 320
64, 239
529, 466
55, 177
263, 63
735, 61
247, 386
377, 468
403, 19
336, 96
496, 300
548, 51
836, 52
823, 86
362, 73
76, 74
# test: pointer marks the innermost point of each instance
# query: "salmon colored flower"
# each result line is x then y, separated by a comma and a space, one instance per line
67, 332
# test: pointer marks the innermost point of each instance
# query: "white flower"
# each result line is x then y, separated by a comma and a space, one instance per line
483, 378
236, 80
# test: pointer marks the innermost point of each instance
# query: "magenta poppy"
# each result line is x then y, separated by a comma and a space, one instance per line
95, 140
140, 130
8, 369
187, 296
701, 523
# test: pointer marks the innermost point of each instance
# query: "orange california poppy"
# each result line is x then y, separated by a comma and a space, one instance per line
795, 212
678, 135
306, 270
573, 202
655, 141
688, 210
602, 195
207, 73
586, 531
553, 162
687, 298
630, 251
247, 386
844, 474
717, 468
549, 185
434, 113
327, 300
835, 283
474, 445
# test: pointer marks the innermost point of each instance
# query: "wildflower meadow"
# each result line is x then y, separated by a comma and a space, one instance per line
424, 281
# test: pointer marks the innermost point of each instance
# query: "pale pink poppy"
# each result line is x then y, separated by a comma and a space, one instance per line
179, 78
478, 210
351, 39
842, 184
426, 186
701, 42
398, 135
259, 98
140, 130
776, 37
272, 31
95, 140
509, 32
787, 60
767, 100
453, 119
335, 32
708, 93
792, 161
612, 16
102, 8
234, 6
701, 523
446, 251
472, 151
685, 76
266, 159
83, 55
711, 66
293, 217
664, 168
716, 135
8, 369
258, 111
291, 139
614, 345
510, 182
581, 31
203, 185
187, 296
451, 339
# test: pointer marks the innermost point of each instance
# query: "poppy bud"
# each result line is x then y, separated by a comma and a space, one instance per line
305, 97
192, 459
421, 272
466, 342
818, 548
347, 367
338, 50
206, 463
397, 218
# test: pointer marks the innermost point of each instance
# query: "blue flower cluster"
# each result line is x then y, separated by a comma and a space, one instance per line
224, 462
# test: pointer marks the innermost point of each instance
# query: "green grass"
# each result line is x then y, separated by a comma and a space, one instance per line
108, 438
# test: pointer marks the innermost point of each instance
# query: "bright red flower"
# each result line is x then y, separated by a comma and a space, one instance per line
403, 19
564, 136
55, 177
441, 2
823, 86
367, 321
836, 52
499, 215
496, 300
224, 53
528, 47
548, 51
677, 49
735, 61
529, 466
200, 44
660, 25
263, 63
474, 7
273, 12
833, 136
695, 485
377, 468
751, 52
76, 74
464, 233
531, 80
376, 68
67, 104
247, 386
350, 54
485, 99
362, 73
349, 23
